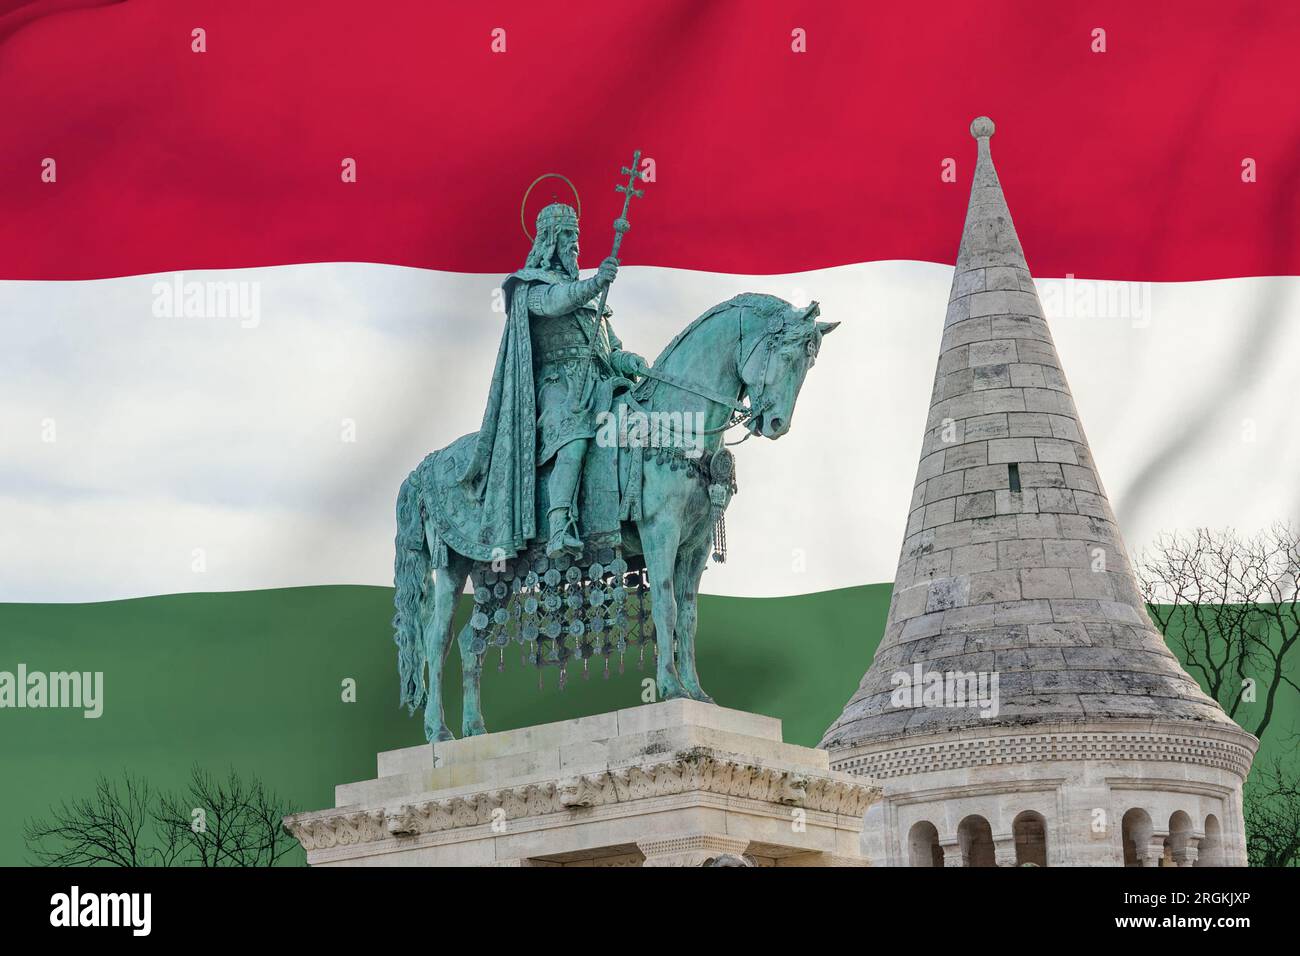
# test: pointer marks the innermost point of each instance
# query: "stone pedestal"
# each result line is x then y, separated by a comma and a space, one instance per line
677, 783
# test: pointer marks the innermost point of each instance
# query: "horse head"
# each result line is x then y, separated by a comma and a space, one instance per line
774, 371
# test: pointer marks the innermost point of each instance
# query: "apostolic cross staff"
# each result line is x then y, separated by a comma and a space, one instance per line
558, 346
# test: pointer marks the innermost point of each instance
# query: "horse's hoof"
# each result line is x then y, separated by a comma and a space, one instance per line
696, 692
473, 730
671, 689
439, 735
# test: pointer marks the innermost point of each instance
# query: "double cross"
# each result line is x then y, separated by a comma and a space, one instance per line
621, 226
630, 192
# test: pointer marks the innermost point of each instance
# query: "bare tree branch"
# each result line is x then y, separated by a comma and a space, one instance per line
107, 828
212, 822
1272, 812
1228, 605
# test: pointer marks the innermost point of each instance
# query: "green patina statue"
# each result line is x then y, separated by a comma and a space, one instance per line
585, 507
553, 340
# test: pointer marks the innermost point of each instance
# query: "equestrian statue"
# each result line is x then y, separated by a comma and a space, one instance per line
586, 506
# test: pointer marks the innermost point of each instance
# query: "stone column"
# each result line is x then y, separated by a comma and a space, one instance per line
951, 853
1004, 851
1156, 850
689, 850
1189, 854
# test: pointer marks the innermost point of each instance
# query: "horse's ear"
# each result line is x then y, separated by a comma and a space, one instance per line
826, 328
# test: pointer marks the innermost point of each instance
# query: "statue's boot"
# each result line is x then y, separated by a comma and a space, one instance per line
563, 487
561, 540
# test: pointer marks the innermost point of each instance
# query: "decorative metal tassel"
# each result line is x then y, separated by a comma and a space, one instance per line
554, 610
720, 540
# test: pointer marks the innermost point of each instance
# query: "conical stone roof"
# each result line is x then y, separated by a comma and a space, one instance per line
1031, 583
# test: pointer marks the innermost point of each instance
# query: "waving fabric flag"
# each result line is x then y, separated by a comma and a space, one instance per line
250, 275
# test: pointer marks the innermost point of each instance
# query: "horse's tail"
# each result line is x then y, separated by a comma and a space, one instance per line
412, 568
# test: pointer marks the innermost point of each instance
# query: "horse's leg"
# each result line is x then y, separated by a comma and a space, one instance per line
471, 669
659, 540
690, 566
448, 582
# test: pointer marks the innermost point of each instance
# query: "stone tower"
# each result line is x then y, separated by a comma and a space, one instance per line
1021, 706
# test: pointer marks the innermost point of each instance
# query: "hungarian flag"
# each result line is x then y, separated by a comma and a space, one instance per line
252, 259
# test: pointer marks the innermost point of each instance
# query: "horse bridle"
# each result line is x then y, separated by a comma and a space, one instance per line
741, 413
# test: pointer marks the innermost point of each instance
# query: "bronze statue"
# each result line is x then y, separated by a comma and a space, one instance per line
624, 462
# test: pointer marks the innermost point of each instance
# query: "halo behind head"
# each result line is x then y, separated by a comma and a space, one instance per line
523, 222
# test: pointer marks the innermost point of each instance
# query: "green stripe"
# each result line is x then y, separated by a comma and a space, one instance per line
253, 680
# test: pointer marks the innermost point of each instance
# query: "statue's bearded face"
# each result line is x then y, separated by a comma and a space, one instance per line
566, 250
556, 247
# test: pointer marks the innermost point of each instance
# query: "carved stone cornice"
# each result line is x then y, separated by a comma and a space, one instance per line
344, 829
1229, 749
679, 773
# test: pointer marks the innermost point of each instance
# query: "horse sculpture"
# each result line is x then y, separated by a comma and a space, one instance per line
642, 587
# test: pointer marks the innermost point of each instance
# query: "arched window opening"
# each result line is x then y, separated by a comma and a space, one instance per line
1030, 831
923, 845
1136, 833
1212, 845
1179, 842
976, 839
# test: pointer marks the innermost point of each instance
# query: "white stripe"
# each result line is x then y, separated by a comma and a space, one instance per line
187, 435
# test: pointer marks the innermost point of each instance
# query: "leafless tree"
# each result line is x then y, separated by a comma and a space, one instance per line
1272, 811
211, 822
112, 827
1230, 606
226, 822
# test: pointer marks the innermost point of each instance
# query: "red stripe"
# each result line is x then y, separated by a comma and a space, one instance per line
1125, 164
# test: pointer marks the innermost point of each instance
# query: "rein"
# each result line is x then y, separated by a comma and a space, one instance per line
741, 413
719, 474
699, 390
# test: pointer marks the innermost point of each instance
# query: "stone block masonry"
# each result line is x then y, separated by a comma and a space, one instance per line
1012, 561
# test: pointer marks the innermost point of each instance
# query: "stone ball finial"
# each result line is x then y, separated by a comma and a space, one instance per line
981, 127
